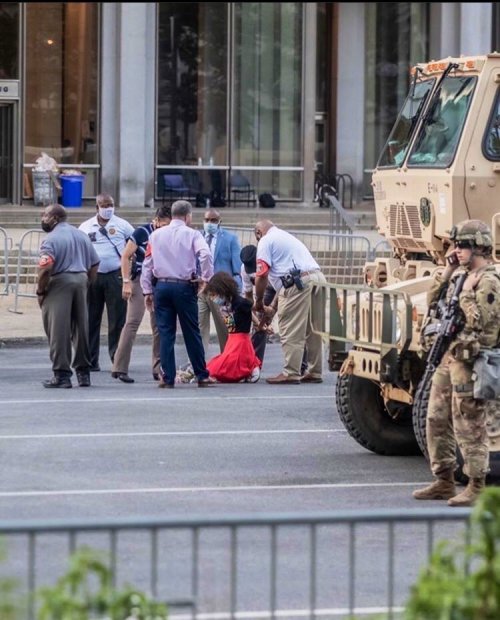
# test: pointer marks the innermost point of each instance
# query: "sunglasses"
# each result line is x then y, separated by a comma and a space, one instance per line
463, 245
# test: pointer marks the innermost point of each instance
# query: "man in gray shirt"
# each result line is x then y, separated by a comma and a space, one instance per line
68, 261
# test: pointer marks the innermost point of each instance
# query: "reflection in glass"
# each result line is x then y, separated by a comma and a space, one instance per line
396, 147
9, 40
268, 84
492, 138
192, 83
61, 81
438, 137
396, 38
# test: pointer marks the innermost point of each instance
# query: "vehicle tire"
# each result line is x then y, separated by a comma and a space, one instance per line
363, 413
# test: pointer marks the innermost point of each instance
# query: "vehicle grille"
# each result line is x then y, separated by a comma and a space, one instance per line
405, 222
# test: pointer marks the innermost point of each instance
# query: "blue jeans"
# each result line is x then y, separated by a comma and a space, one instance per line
174, 300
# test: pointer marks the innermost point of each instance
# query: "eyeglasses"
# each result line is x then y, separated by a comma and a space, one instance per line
463, 245
212, 220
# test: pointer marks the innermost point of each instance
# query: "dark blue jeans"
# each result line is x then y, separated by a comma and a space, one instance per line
174, 300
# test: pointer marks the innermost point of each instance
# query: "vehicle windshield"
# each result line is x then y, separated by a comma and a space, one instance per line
396, 146
441, 129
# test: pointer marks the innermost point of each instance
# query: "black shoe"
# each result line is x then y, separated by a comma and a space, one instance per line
156, 376
83, 379
123, 376
57, 382
95, 368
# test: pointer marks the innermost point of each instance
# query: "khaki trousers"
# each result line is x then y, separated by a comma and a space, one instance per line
207, 308
297, 312
135, 314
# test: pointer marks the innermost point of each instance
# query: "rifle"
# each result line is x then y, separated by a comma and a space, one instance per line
446, 330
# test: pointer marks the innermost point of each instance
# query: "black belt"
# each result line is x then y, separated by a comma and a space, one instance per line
176, 280
108, 273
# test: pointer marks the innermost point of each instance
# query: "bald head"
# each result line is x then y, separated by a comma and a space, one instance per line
52, 216
261, 228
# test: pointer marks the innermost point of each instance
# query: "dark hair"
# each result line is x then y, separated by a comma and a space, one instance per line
222, 284
164, 212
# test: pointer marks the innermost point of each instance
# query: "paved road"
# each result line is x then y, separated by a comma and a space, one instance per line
119, 450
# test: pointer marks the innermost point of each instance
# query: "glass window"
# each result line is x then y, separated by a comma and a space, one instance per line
192, 83
9, 40
442, 126
396, 38
62, 82
491, 146
396, 146
268, 84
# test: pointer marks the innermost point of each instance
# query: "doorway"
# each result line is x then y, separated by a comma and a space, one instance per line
6, 152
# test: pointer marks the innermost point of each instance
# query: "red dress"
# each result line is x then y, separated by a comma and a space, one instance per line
238, 359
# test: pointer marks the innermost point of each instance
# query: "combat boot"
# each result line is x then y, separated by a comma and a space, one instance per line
469, 495
442, 488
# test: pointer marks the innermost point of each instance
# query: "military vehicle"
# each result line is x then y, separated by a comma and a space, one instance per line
439, 166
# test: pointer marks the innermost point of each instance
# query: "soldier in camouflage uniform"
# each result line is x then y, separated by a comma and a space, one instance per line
453, 414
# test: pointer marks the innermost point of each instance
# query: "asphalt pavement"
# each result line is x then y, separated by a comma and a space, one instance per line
135, 451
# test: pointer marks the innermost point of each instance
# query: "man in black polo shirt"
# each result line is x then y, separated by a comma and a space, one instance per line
67, 262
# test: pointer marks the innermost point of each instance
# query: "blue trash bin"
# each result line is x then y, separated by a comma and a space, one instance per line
72, 190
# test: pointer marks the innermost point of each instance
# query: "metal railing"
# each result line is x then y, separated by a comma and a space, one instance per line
342, 257
337, 564
27, 266
4, 278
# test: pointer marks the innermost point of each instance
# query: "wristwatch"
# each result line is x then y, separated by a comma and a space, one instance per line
126, 280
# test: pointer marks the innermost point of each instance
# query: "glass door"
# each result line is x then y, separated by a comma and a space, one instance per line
6, 152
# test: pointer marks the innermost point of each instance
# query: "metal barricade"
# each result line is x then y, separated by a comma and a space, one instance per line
341, 257
27, 266
4, 274
336, 564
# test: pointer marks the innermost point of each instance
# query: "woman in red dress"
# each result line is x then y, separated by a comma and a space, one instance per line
238, 361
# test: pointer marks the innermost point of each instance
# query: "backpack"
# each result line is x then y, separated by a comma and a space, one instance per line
217, 199
267, 201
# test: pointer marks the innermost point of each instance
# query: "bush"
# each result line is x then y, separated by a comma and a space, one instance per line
462, 581
86, 592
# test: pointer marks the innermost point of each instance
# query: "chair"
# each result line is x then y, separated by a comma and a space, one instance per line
174, 186
240, 186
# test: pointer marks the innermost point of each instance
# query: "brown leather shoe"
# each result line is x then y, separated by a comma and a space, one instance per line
283, 379
208, 382
308, 378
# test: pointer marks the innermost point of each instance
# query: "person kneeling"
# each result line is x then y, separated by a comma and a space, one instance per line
238, 361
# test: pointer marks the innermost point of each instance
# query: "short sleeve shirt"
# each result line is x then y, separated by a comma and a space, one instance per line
140, 237
281, 251
247, 280
109, 248
70, 249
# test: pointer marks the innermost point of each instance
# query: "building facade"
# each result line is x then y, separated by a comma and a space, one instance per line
216, 97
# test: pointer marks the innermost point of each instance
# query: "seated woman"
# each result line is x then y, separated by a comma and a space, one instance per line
238, 361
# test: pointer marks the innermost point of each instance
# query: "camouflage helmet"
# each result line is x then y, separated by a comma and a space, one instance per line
475, 231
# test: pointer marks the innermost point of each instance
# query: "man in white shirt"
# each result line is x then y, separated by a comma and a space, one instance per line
286, 263
109, 235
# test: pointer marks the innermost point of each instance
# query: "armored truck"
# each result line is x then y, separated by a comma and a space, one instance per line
439, 166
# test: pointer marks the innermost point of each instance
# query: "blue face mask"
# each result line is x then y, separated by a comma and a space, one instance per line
210, 228
218, 300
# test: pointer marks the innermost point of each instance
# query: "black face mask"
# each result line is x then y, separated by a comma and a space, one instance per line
46, 227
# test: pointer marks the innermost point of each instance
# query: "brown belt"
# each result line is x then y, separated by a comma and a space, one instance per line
308, 273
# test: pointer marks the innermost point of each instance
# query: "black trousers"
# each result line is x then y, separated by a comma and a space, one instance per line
65, 320
106, 290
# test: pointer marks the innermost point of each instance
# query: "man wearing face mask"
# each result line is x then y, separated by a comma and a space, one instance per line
225, 249
454, 415
132, 259
67, 263
109, 235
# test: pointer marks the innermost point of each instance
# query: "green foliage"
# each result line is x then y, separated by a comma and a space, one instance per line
10, 605
86, 592
462, 581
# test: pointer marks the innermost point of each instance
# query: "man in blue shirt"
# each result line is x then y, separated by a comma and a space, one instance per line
109, 235
225, 249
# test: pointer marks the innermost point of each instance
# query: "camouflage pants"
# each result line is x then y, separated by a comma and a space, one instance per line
455, 417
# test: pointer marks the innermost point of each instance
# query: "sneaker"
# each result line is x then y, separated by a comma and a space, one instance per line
255, 376
57, 382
